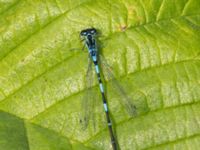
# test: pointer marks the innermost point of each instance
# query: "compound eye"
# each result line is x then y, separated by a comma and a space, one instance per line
93, 31
83, 33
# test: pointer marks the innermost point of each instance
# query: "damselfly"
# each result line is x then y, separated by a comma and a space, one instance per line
89, 37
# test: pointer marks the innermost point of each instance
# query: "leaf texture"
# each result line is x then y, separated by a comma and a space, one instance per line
152, 46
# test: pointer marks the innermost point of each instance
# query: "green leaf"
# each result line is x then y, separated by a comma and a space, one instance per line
152, 46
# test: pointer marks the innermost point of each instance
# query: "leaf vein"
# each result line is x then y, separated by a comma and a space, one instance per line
61, 100
11, 6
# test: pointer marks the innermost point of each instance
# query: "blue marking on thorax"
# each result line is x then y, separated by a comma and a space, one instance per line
93, 54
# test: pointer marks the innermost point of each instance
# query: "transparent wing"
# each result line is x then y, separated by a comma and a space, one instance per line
88, 100
126, 101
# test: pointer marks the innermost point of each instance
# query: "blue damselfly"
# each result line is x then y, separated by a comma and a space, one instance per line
89, 37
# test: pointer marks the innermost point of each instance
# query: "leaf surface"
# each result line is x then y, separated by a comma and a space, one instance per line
152, 46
